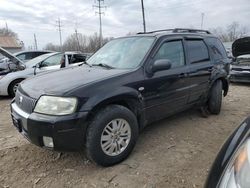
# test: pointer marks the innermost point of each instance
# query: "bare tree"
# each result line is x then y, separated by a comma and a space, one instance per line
52, 47
7, 32
231, 33
80, 42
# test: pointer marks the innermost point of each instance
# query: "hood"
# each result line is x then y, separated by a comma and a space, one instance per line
62, 81
241, 47
7, 54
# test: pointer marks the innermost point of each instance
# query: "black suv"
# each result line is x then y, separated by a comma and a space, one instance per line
130, 82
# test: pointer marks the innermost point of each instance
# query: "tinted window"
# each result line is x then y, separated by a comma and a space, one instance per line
172, 51
53, 60
26, 56
197, 51
76, 58
21, 57
217, 48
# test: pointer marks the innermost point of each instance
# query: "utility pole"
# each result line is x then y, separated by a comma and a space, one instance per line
202, 19
6, 25
100, 7
143, 16
35, 42
77, 40
60, 31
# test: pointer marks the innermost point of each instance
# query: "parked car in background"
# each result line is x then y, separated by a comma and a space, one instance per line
24, 56
231, 168
51, 61
241, 65
127, 84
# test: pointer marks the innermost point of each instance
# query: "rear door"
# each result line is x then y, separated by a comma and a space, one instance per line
200, 68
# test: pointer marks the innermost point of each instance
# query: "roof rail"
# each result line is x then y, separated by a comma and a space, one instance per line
178, 30
184, 30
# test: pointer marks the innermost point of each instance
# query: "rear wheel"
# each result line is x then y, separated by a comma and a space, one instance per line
111, 135
215, 99
13, 87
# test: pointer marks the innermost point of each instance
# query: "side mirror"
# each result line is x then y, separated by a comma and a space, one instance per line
37, 66
161, 64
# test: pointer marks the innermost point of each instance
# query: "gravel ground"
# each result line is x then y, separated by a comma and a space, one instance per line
175, 152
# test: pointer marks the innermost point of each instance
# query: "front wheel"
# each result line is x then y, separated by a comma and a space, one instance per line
13, 87
215, 99
112, 135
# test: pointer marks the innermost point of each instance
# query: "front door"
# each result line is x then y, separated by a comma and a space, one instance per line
51, 63
166, 92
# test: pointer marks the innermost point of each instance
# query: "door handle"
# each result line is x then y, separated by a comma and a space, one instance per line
183, 75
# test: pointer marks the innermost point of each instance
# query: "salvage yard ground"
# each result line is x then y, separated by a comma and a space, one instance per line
175, 152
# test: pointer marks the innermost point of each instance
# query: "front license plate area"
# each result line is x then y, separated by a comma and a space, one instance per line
17, 123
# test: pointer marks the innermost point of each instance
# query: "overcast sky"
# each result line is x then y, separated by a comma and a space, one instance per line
27, 17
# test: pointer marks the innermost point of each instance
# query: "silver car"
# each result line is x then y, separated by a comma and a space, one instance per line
24, 56
9, 81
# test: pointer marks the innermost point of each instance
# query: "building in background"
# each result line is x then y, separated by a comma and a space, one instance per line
11, 43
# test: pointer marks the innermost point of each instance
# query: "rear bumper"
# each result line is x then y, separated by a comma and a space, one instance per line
238, 76
67, 132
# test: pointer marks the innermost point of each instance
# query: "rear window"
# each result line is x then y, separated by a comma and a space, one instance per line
217, 48
197, 51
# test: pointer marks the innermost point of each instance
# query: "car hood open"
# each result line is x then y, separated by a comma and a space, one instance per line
241, 47
13, 58
62, 81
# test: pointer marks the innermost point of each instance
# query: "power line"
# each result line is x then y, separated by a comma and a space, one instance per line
143, 16
60, 31
100, 12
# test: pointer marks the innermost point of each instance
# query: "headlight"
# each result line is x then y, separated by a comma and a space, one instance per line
51, 105
237, 174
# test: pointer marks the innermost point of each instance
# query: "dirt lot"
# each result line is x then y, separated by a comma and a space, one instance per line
176, 152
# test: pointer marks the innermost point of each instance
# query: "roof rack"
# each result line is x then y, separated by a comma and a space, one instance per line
178, 30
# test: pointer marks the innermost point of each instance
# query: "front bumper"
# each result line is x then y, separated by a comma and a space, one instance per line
240, 76
67, 132
3, 88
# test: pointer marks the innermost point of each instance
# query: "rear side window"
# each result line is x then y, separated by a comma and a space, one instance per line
217, 48
197, 51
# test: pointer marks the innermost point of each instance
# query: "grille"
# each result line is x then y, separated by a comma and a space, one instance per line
24, 102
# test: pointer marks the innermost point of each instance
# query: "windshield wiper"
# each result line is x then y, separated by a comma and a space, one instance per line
103, 65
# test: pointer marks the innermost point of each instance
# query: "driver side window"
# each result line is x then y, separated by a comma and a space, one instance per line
172, 51
53, 60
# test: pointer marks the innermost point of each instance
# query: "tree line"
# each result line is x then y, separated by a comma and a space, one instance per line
91, 43
80, 42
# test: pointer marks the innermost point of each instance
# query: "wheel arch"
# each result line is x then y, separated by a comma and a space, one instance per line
20, 79
131, 102
225, 84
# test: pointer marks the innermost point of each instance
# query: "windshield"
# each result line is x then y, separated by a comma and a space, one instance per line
123, 53
38, 59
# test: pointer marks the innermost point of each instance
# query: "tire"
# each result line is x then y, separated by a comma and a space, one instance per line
215, 99
13, 86
98, 130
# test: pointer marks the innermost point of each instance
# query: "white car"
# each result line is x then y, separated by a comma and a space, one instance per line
9, 81
24, 56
